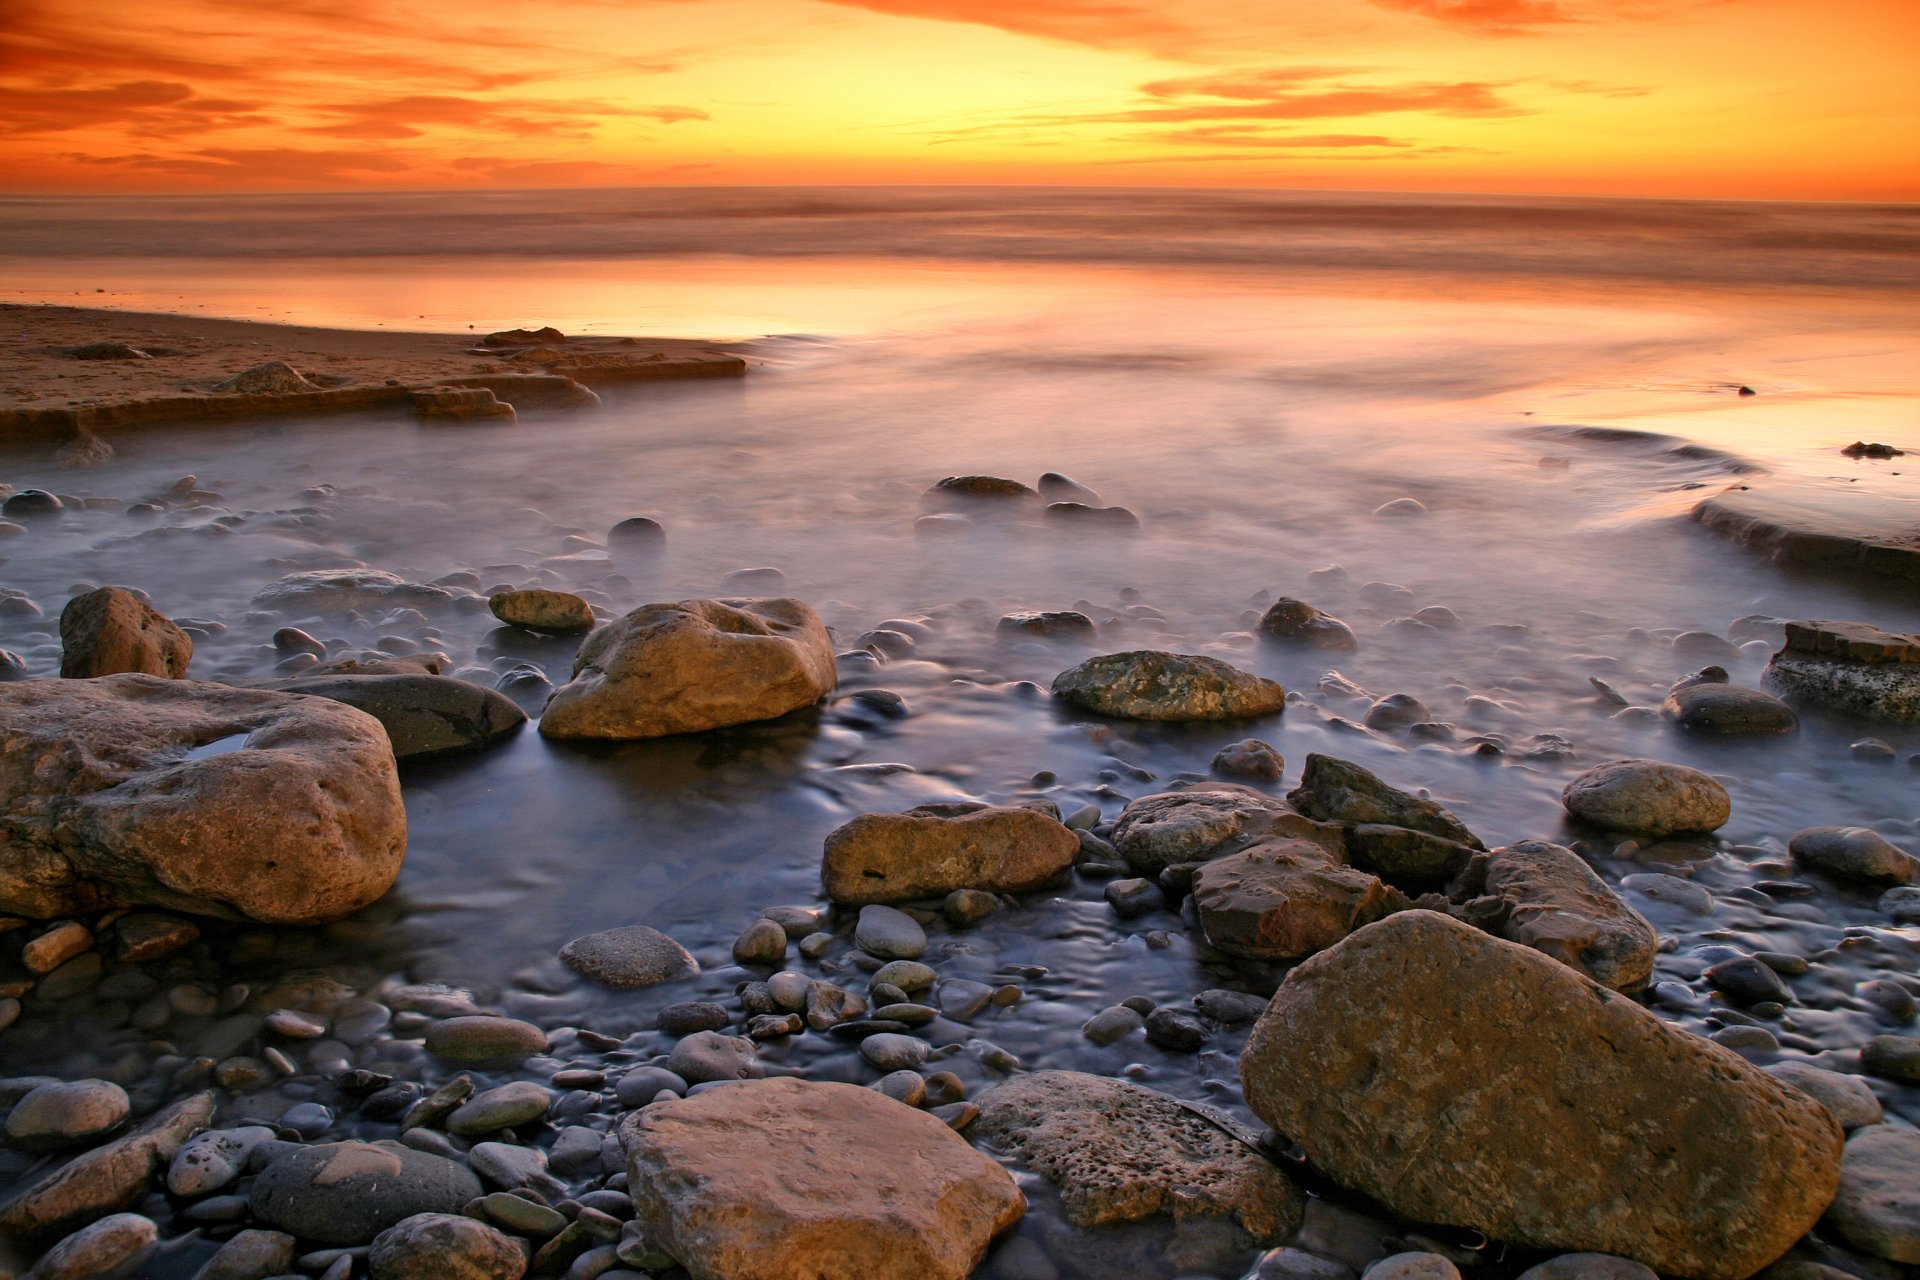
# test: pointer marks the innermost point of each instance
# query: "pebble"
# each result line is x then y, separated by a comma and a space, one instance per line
907, 1015
890, 1052
112, 1246
1231, 1008
771, 1026
889, 933
521, 1215
902, 1086
1878, 1208
575, 1150
1849, 1099
308, 1119
442, 1246
763, 942
965, 907
1134, 897
57, 1114
1250, 760
1892, 1058
829, 1005
956, 1115
1111, 1024
1589, 1266
56, 946
632, 956
1888, 999
789, 990
439, 1104
483, 1041
1748, 981
707, 1056
296, 1025
508, 1166
642, 1084
689, 1016
961, 999
516, 1103
908, 975
1175, 1031
251, 1255
1412, 1266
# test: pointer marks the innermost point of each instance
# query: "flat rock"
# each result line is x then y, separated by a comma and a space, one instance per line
889, 934
346, 1193
1728, 710
885, 1192
1545, 896
336, 591
444, 1246
552, 612
691, 666
1156, 831
111, 631
106, 1179
1603, 1128
66, 1114
1877, 1210
1291, 621
1650, 797
1851, 666
1119, 1152
113, 1246
631, 956
135, 790
1285, 899
1150, 684
1064, 624
423, 715
1854, 853
892, 857
1335, 790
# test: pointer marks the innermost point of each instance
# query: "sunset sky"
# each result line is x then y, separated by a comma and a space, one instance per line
1737, 98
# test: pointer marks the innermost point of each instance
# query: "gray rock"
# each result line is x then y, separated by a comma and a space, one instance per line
909, 975
1412, 1266
890, 1052
1397, 711
829, 1005
213, 1161
1251, 759
1169, 827
639, 1086
707, 1055
762, 942
1061, 625
346, 1193
423, 715
1877, 1209
441, 1246
66, 1115
631, 956
1297, 1264
517, 1102
1892, 1058
106, 1179
1748, 981
1112, 1024
507, 1166
339, 591
1848, 1099
1589, 1266
1727, 710
889, 934
1649, 797
1150, 684
111, 631
1334, 790
251, 1255
1404, 857
689, 1016
963, 999
1854, 853
1544, 896
519, 1214
477, 1040
113, 1246
1292, 621
550, 612
1230, 1008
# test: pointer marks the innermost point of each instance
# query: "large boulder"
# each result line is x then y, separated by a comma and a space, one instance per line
930, 852
346, 1193
1157, 831
1852, 666
1336, 790
1650, 797
694, 665
1119, 1152
106, 1179
1148, 684
787, 1179
135, 790
1468, 1081
423, 715
1545, 896
1285, 899
112, 631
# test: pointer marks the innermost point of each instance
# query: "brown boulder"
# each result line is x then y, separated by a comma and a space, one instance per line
694, 665
1336, 790
1467, 1081
1168, 827
133, 790
1285, 899
1149, 684
112, 631
787, 1179
891, 857
1545, 896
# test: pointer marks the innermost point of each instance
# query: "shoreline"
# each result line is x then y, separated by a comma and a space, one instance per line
150, 367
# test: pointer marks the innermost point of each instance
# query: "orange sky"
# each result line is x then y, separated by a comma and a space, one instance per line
1736, 98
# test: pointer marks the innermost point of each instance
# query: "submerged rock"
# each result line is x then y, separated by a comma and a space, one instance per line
884, 1192
1464, 1080
1065, 624
972, 493
691, 666
344, 590
1854, 853
1648, 796
423, 715
136, 790
1852, 666
1877, 1210
1728, 710
1293, 621
1149, 684
1546, 897
631, 956
925, 852
346, 1193
112, 631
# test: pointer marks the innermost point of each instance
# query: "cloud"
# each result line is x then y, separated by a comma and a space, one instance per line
294, 164
1498, 17
401, 117
143, 106
1239, 136
1294, 93
1099, 23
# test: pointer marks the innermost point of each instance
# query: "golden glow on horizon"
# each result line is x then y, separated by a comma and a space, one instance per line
1734, 98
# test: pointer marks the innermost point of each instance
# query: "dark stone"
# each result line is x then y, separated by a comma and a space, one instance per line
423, 715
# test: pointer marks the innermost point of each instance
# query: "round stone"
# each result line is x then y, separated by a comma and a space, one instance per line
476, 1040
892, 1052
1728, 710
763, 942
1648, 796
633, 956
517, 1103
441, 1246
346, 1193
66, 1114
551, 612
889, 934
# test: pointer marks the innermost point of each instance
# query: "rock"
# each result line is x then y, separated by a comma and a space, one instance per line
1589, 1266
149, 935
251, 1255
337, 591
1746, 980
1112, 1024
1285, 899
890, 1051
1603, 1129
106, 1179
1397, 711
214, 1160
1545, 896
1250, 758
544, 336
1728, 709
1297, 622
476, 1040
1062, 625
1850, 666
637, 534
1174, 1031
1148, 684
459, 404
1335, 790
763, 942
691, 666
113, 1246
631, 956
56, 946
423, 715
1157, 831
1854, 853
689, 1016
715, 1183
973, 493
1412, 1266
706, 1056
505, 1106
444, 1246
346, 1193
136, 790
1649, 797
1134, 897
1119, 1152
66, 1114
552, 612
889, 934
1405, 857
1297, 1264
112, 631
1055, 487
106, 351
892, 857
1892, 1058
1847, 1098
1079, 514
1877, 1210
274, 378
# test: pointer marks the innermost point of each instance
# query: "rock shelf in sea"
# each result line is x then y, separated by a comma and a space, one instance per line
1406, 1037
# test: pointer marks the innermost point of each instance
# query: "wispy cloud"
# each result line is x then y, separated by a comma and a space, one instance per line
402, 117
1494, 17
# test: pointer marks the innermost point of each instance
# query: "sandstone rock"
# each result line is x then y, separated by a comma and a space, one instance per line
1877, 1210
423, 715
346, 1193
132, 790
885, 1192
444, 1246
1851, 666
1297, 622
1119, 1152
891, 857
631, 956
113, 1246
1854, 853
1148, 684
251, 1255
66, 1114
1464, 1080
553, 612
460, 404
1336, 790
691, 666
1647, 796
1545, 896
106, 1179
112, 631
273, 378
1728, 710
1159, 830
344, 590
1285, 899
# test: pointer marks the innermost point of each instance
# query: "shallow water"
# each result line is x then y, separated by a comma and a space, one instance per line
1254, 415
